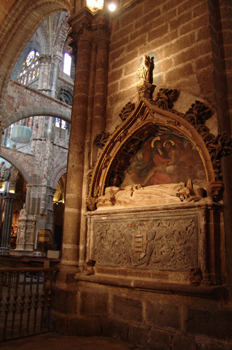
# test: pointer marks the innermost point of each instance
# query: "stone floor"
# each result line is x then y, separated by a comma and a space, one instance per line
56, 341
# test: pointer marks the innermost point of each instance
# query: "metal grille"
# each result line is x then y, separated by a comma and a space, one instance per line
25, 301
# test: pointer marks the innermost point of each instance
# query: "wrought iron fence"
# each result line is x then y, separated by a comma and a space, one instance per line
25, 301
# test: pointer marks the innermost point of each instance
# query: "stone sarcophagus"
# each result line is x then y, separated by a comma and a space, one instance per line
177, 243
155, 209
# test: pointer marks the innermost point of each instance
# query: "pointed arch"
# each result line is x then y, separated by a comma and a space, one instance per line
145, 114
57, 175
37, 111
22, 20
18, 166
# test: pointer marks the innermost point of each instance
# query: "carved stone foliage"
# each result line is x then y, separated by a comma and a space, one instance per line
165, 98
126, 111
153, 243
101, 139
198, 113
218, 146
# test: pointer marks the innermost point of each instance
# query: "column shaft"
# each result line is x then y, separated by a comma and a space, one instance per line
73, 201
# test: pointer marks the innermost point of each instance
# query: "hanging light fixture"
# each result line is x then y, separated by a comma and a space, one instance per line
95, 5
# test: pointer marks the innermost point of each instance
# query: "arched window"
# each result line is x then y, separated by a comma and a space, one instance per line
30, 68
67, 62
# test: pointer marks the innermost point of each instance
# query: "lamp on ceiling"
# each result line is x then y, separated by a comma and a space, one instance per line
95, 5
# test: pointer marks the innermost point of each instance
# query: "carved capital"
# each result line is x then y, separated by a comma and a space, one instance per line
45, 59
101, 29
80, 26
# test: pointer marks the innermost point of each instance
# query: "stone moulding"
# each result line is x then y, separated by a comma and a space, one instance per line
212, 292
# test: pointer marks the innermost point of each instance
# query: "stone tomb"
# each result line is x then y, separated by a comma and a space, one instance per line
155, 270
155, 209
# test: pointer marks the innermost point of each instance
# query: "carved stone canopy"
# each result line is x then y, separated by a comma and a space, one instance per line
158, 145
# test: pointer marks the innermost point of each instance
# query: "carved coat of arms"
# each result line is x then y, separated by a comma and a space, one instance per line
139, 244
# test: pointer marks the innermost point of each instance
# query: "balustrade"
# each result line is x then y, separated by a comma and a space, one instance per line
25, 301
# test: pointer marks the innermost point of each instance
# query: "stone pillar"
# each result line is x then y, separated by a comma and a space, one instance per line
87, 158
50, 195
102, 36
82, 35
96, 110
7, 223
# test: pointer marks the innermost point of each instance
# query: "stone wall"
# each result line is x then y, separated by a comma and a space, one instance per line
148, 319
182, 36
177, 34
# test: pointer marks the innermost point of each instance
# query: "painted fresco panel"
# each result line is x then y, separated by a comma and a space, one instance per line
157, 156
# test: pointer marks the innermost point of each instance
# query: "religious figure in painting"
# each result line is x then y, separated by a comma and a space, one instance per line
165, 159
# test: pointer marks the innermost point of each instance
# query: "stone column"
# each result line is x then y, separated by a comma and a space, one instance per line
102, 36
50, 195
96, 110
82, 34
87, 158
7, 223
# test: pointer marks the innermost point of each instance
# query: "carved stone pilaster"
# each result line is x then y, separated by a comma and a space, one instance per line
26, 231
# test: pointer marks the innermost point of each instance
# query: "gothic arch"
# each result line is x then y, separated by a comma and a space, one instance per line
18, 166
37, 111
57, 175
22, 20
144, 114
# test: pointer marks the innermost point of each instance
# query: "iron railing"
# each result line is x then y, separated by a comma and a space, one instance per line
25, 301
